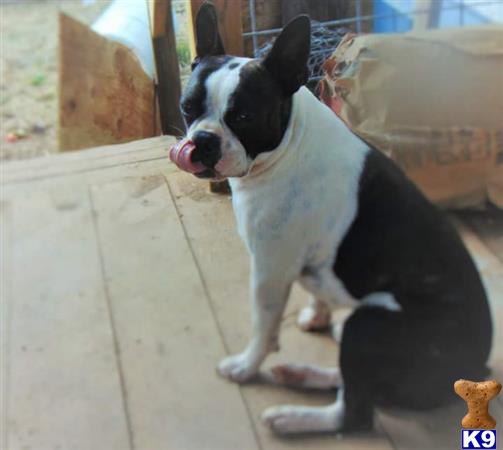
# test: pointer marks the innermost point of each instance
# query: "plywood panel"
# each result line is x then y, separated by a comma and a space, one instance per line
488, 225
439, 429
491, 269
92, 160
169, 343
164, 315
168, 71
105, 96
64, 389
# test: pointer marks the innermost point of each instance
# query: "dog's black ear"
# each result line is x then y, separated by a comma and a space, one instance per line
208, 41
287, 59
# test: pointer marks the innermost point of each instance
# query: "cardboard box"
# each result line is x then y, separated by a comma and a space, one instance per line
432, 101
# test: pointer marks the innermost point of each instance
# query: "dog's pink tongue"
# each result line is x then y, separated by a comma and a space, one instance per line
181, 155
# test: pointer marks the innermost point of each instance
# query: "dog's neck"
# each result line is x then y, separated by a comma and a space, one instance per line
294, 132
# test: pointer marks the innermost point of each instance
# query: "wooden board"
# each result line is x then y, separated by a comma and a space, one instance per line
168, 71
63, 380
162, 277
105, 97
90, 161
488, 226
169, 342
491, 270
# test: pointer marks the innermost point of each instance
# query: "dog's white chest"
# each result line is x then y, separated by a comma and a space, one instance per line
294, 214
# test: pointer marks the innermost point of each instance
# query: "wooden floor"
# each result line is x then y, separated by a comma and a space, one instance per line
124, 283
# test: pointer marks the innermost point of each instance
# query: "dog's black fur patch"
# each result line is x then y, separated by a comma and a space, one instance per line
258, 97
400, 243
193, 101
258, 111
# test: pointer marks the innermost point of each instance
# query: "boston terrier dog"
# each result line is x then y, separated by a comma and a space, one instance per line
317, 205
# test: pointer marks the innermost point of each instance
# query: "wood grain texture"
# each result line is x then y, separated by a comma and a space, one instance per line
64, 387
74, 164
489, 227
105, 97
169, 342
491, 269
168, 71
166, 255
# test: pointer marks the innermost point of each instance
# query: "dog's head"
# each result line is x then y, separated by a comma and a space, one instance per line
236, 108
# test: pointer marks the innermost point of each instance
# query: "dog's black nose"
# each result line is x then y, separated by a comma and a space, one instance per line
207, 148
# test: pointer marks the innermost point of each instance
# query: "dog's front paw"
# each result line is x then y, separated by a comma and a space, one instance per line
237, 368
287, 419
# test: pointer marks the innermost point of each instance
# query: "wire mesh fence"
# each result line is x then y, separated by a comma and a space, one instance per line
389, 16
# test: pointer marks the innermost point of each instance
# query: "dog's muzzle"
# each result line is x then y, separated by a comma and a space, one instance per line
198, 155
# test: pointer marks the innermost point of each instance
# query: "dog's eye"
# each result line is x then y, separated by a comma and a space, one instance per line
243, 117
188, 111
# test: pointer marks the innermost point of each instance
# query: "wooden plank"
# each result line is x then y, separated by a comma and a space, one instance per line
229, 23
74, 163
491, 267
64, 387
231, 28
488, 226
210, 226
105, 96
168, 338
191, 17
168, 71
438, 429
491, 270
222, 258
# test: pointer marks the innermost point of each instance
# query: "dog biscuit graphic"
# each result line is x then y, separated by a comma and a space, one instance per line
477, 396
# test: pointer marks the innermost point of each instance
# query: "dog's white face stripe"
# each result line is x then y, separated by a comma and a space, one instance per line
220, 86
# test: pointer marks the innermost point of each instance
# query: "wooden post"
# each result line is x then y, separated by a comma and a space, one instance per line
168, 72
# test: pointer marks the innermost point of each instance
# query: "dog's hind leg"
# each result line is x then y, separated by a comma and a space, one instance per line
315, 316
289, 419
305, 376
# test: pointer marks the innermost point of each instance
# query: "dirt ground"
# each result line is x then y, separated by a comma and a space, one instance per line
29, 70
